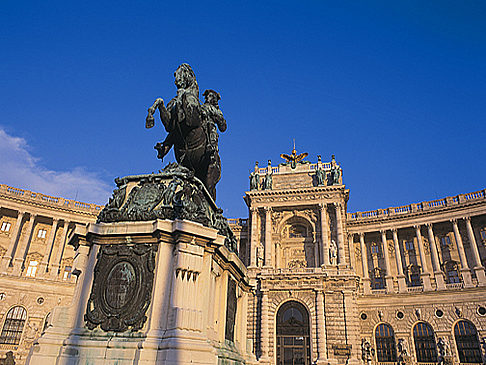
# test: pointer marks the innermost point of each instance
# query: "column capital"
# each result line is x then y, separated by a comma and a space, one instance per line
337, 204
467, 218
21, 213
429, 225
453, 221
417, 227
268, 209
383, 231
351, 235
33, 215
394, 230
253, 209
361, 234
322, 205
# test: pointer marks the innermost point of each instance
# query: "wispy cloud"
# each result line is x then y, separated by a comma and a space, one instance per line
20, 169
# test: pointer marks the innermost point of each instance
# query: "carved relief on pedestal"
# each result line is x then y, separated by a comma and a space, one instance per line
122, 287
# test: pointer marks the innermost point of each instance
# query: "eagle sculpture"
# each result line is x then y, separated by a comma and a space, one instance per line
294, 157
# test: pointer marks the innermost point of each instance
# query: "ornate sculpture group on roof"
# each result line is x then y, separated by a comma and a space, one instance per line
293, 158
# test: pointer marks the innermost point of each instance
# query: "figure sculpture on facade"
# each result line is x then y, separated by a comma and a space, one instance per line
335, 173
403, 357
191, 128
443, 350
367, 351
333, 253
320, 174
268, 182
255, 178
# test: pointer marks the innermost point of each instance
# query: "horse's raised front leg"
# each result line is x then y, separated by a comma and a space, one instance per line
150, 121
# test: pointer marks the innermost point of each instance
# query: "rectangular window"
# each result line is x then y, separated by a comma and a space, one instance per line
409, 246
5, 226
445, 241
67, 273
483, 234
375, 249
41, 233
32, 269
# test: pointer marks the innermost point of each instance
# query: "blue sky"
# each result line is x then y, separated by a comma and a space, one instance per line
396, 90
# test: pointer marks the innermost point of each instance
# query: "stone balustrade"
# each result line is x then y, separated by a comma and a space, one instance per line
418, 207
49, 200
310, 167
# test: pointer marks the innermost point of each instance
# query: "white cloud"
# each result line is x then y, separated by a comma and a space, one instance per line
20, 169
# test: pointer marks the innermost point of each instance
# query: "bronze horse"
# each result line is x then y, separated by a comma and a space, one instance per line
188, 124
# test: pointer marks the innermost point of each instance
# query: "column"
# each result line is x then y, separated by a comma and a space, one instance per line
264, 338
23, 247
253, 236
364, 262
13, 239
54, 266
48, 251
402, 285
425, 274
478, 267
466, 273
386, 255
268, 237
352, 256
340, 236
434, 254
321, 329
324, 234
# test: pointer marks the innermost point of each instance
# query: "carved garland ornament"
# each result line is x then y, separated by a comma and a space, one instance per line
122, 287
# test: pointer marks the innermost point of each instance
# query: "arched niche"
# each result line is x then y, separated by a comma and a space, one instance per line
296, 246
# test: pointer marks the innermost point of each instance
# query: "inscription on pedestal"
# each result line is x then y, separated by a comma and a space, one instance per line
122, 287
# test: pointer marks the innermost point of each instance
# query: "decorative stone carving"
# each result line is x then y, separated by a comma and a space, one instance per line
444, 352
367, 351
403, 356
122, 287
173, 193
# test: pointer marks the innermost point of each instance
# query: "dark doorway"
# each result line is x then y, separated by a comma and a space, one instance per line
293, 339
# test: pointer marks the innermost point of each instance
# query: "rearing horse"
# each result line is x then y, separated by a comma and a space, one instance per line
184, 121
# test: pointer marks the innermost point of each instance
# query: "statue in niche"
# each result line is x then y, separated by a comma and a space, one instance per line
367, 351
333, 253
191, 128
320, 174
255, 178
336, 172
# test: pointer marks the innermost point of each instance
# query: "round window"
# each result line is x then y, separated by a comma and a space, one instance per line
364, 316
40, 300
482, 311
439, 313
400, 315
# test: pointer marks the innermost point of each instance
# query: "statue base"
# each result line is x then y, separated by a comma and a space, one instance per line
152, 290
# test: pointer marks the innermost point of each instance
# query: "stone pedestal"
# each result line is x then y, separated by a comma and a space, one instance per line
152, 291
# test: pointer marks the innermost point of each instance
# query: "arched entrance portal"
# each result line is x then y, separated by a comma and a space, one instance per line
293, 339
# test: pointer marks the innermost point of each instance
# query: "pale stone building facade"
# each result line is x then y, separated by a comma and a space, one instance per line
397, 285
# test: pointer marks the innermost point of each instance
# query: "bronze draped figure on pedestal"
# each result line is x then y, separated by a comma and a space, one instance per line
191, 128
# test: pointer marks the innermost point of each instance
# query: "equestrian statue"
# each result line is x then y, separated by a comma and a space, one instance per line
191, 127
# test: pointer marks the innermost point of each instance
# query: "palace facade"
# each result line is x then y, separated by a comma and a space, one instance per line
397, 285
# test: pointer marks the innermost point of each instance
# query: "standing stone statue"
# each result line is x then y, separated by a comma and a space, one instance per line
320, 174
336, 172
191, 128
333, 253
367, 351
268, 177
255, 178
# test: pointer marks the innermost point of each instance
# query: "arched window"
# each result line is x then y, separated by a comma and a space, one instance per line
385, 343
13, 326
293, 335
425, 348
467, 342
